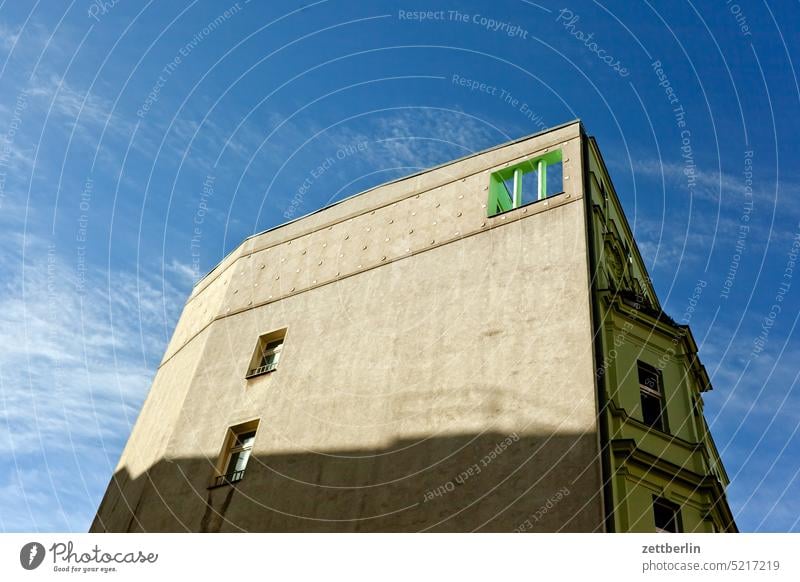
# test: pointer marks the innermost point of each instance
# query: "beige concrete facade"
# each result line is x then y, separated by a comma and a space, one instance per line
420, 336
438, 370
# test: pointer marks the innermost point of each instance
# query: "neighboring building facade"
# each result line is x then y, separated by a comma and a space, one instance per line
422, 357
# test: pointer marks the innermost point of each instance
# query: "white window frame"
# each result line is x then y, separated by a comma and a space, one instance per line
224, 476
268, 345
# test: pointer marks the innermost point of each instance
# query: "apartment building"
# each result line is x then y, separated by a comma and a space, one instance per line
476, 347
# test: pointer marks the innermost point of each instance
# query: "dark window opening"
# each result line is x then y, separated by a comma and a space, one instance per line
652, 397
667, 516
652, 414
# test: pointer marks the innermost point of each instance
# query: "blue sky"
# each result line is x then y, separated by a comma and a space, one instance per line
141, 142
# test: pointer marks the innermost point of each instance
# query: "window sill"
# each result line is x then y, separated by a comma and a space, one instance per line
648, 429
654, 429
657, 432
259, 372
225, 481
496, 214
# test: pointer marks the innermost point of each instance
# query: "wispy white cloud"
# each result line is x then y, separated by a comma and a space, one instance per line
20, 157
709, 185
715, 185
421, 138
183, 271
8, 36
78, 359
84, 111
670, 245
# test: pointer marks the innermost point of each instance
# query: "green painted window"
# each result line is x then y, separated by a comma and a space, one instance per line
525, 183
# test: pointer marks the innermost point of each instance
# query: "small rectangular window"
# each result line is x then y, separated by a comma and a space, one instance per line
267, 353
524, 183
236, 453
667, 516
652, 397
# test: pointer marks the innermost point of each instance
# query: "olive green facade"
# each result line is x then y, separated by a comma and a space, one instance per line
438, 372
680, 464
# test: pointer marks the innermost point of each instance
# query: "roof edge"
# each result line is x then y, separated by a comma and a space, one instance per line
395, 181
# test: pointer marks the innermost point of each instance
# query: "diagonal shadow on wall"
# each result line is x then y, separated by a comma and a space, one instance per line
469, 482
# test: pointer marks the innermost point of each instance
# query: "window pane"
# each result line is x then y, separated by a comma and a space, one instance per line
666, 516
238, 462
649, 377
530, 185
241, 460
508, 185
272, 353
272, 357
232, 463
272, 346
555, 178
652, 415
245, 439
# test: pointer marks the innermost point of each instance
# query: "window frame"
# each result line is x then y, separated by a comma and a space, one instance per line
645, 390
256, 366
222, 475
501, 200
674, 508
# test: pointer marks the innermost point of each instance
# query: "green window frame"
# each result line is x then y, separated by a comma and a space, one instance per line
502, 198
